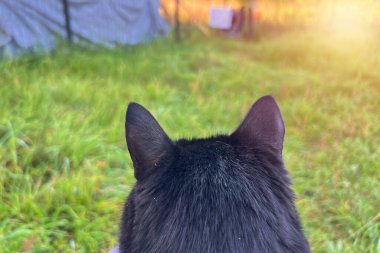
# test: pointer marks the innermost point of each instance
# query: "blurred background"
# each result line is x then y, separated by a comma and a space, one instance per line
68, 69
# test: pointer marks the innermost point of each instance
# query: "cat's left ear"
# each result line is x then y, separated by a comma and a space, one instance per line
147, 142
262, 126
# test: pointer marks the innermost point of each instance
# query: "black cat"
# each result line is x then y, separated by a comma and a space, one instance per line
227, 193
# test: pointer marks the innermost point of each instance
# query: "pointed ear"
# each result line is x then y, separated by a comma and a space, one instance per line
263, 125
147, 142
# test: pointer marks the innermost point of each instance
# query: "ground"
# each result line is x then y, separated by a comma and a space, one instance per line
64, 166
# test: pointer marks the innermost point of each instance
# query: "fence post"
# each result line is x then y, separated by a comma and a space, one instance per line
176, 20
250, 23
251, 19
66, 12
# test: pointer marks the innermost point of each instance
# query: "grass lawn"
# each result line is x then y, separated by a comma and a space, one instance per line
64, 166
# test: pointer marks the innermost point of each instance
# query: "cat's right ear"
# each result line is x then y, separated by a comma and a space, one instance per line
262, 126
147, 142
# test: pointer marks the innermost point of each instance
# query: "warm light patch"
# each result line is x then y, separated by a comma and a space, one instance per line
349, 19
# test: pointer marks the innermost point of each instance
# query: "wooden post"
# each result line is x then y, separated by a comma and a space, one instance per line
250, 23
176, 21
66, 12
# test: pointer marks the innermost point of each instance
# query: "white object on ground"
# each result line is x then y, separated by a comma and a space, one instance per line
114, 250
220, 18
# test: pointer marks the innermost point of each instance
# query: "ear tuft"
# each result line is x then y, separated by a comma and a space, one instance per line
147, 142
263, 125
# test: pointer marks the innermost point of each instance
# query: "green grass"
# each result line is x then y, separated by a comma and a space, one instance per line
65, 169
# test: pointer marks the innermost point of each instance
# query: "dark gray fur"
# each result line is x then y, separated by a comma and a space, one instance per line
227, 193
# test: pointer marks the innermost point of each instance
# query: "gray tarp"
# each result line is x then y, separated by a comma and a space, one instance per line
28, 25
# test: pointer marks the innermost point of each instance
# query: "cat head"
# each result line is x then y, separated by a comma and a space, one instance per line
226, 193
150, 148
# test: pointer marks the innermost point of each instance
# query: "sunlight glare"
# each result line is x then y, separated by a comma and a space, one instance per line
349, 19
